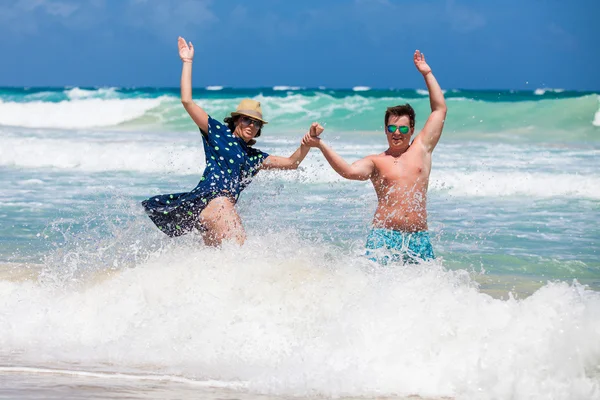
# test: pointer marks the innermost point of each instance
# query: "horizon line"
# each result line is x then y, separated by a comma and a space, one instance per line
292, 88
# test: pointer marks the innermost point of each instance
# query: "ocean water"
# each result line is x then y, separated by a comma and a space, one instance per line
95, 302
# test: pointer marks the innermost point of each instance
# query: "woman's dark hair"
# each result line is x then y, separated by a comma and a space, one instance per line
400, 111
230, 121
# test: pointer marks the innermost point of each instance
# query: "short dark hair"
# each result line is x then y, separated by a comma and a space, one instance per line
400, 111
230, 121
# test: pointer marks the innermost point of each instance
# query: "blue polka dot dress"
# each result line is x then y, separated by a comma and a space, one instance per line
230, 166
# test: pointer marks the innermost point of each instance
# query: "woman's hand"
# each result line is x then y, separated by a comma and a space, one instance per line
186, 52
311, 141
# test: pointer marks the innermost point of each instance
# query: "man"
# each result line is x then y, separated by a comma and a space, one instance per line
400, 176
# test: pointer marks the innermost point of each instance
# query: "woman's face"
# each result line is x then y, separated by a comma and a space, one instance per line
246, 128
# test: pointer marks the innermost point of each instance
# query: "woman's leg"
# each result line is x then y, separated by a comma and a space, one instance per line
221, 222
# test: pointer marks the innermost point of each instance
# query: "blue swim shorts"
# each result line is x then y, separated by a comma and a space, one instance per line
387, 245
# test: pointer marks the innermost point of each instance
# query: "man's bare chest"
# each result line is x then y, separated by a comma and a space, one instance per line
403, 168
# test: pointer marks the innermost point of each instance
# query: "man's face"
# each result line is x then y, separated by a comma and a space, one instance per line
398, 125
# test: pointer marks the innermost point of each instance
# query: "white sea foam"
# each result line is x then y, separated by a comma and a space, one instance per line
480, 184
38, 96
120, 376
282, 87
303, 319
361, 88
296, 107
30, 182
500, 184
184, 157
84, 113
78, 94
215, 88
100, 108
96, 156
425, 92
543, 91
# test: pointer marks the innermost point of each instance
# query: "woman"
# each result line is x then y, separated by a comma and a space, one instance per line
231, 163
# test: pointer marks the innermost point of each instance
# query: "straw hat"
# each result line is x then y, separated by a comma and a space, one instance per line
250, 108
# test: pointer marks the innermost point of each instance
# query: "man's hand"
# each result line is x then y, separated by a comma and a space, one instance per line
316, 129
420, 63
186, 52
311, 139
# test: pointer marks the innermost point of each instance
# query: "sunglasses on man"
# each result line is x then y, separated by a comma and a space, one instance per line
402, 128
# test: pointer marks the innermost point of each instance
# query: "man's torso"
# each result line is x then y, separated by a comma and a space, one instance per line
401, 186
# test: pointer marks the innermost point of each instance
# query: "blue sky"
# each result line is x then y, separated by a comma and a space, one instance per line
471, 44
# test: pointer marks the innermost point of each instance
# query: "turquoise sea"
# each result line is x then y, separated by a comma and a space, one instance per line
91, 293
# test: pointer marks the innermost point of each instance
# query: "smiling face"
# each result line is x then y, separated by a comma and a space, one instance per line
397, 120
397, 139
247, 128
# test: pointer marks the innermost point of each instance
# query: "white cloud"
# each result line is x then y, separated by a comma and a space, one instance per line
61, 9
170, 15
25, 16
162, 17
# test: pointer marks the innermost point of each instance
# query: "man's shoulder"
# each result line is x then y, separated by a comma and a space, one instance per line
377, 158
371, 158
374, 157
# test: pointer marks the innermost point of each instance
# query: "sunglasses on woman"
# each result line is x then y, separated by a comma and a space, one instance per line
246, 121
402, 128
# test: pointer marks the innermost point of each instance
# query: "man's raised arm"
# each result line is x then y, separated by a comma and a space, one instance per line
430, 135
